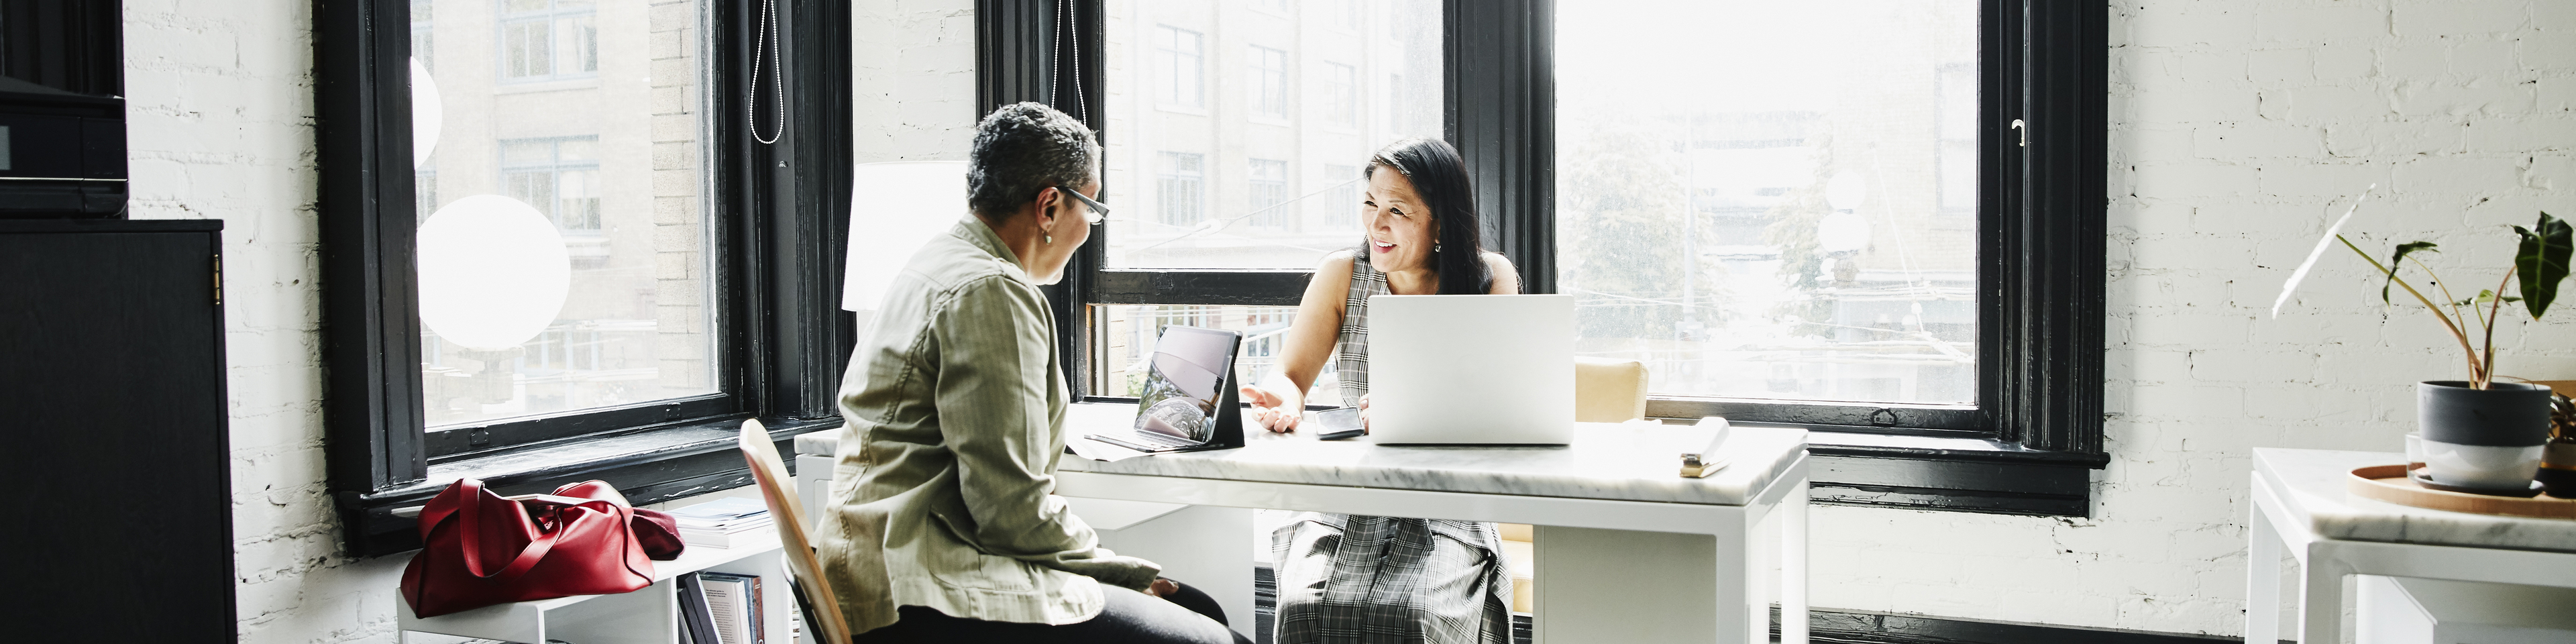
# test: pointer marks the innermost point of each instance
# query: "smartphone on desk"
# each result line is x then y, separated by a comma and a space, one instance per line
1339, 423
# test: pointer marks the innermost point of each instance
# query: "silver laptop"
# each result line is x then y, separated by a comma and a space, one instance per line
1471, 369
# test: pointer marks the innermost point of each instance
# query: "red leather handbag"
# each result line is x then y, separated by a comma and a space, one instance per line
480, 548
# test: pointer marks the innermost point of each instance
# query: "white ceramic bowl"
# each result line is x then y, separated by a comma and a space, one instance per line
2479, 466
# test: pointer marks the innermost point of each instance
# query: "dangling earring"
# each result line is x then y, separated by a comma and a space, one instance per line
1049, 238
1435, 247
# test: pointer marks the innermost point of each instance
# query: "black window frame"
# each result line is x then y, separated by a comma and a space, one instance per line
782, 213
2027, 447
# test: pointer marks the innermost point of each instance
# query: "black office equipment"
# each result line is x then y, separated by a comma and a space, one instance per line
113, 431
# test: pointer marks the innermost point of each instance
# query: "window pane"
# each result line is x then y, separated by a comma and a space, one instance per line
1798, 226
1240, 168
1126, 334
614, 170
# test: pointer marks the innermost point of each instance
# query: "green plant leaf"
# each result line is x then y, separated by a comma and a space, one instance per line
2541, 262
2403, 250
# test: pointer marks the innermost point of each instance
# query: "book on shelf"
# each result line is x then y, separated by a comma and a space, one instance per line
697, 621
735, 603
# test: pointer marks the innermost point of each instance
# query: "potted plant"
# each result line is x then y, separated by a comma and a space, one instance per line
2478, 434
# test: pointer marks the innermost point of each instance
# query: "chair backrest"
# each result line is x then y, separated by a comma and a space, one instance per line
780, 492
1609, 391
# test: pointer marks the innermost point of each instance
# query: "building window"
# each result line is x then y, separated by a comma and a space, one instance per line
1179, 186
1341, 94
548, 39
1177, 67
558, 176
1269, 86
1268, 194
1338, 206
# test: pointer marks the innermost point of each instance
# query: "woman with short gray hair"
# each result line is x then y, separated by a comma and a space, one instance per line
948, 528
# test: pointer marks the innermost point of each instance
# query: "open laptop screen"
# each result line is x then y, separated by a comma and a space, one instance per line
1187, 376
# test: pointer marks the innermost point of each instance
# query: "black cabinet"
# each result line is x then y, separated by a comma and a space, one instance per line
113, 445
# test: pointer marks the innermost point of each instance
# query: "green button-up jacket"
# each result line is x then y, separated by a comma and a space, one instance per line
943, 495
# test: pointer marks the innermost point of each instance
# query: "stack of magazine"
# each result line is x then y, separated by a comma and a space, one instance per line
726, 523
720, 608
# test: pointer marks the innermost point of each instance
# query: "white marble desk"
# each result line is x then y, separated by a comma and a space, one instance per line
1628, 550
2300, 504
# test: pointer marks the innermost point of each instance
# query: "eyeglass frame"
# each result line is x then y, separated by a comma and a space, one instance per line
1093, 212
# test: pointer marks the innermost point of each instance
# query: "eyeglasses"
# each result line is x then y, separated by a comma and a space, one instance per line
1093, 212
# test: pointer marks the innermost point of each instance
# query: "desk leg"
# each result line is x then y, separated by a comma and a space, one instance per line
1793, 567
2321, 600
2262, 575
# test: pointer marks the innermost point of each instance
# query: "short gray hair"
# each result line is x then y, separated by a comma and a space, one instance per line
1023, 148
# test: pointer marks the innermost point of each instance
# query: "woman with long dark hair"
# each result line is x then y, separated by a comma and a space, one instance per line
1347, 578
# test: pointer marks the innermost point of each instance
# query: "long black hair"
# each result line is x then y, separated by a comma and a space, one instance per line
1439, 176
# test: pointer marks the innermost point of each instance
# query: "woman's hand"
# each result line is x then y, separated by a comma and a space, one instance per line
1275, 411
1162, 588
1364, 425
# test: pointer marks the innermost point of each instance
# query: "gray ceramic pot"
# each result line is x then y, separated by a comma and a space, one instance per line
2483, 439
2502, 415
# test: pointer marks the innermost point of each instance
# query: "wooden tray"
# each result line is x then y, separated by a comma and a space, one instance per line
2389, 483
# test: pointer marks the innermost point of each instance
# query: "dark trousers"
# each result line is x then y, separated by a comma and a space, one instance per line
1184, 617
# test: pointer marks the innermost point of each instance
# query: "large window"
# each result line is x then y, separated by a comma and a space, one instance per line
1811, 214
614, 167
563, 284
1772, 230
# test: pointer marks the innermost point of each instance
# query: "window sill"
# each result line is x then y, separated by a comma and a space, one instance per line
648, 465
1946, 473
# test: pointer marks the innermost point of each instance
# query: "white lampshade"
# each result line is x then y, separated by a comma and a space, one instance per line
427, 113
493, 272
895, 207
1845, 191
1842, 231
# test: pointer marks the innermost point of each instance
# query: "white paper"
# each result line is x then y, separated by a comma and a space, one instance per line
1084, 447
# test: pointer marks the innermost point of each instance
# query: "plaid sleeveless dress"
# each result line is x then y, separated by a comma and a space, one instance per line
1351, 579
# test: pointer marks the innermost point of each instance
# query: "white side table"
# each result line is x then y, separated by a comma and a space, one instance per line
2300, 504
649, 615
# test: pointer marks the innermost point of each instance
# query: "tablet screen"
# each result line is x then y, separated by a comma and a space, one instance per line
1182, 385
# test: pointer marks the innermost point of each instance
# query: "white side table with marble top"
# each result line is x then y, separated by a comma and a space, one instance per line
1627, 550
2300, 504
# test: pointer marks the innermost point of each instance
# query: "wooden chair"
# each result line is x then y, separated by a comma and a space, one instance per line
804, 571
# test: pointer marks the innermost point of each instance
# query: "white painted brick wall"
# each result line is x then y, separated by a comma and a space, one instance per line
2233, 124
